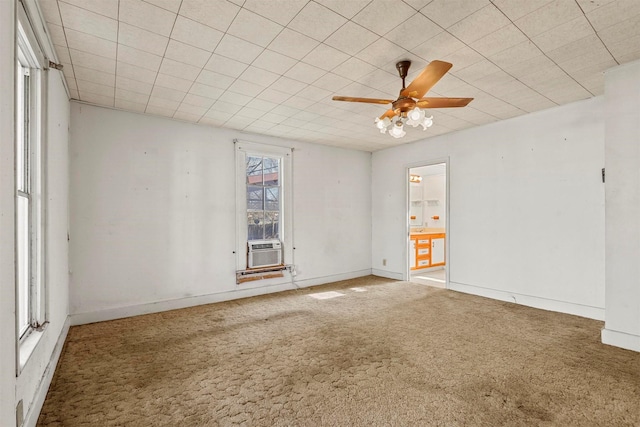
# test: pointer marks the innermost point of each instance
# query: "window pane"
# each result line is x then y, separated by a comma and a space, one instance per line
272, 225
22, 103
271, 171
254, 170
255, 222
255, 197
23, 261
272, 201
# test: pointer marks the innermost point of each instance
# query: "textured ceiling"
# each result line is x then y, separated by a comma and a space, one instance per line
271, 66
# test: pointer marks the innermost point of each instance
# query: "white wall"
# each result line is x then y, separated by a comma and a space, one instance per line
153, 213
434, 189
622, 154
7, 288
526, 208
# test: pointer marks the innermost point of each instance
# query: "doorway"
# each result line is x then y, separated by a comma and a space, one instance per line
428, 222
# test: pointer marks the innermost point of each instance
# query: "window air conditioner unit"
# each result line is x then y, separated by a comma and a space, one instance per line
265, 253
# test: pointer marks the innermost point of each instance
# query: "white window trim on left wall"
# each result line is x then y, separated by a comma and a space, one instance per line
285, 154
30, 58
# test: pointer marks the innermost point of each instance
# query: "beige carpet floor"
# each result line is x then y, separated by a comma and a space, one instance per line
384, 353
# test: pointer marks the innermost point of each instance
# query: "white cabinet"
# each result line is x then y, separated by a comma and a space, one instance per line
437, 250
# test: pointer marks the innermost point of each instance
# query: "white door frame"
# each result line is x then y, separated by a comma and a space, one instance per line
408, 167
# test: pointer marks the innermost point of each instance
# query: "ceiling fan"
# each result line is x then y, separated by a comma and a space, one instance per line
410, 105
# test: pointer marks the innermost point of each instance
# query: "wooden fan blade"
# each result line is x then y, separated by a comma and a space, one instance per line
367, 100
426, 79
388, 114
443, 102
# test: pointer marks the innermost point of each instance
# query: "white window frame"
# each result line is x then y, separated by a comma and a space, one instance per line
30, 56
285, 154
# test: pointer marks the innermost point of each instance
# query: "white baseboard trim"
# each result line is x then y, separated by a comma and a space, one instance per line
590, 312
621, 339
174, 304
387, 274
33, 413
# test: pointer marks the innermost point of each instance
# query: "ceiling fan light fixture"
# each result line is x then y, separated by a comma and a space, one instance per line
427, 123
398, 130
415, 116
382, 124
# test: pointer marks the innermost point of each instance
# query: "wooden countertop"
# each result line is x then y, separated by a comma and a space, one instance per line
426, 230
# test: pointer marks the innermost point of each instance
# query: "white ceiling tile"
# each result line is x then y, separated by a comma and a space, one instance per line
354, 69
287, 85
417, 4
225, 107
305, 73
234, 98
541, 77
316, 21
51, 12
300, 102
274, 96
57, 34
621, 32
136, 73
259, 76
254, 28
613, 13
516, 9
95, 62
107, 101
251, 113
262, 105
544, 19
206, 90
413, 32
576, 49
381, 16
196, 34
173, 82
166, 93
272, 117
159, 111
325, 57
293, 44
238, 122
332, 82
164, 102
351, 38
147, 16
238, 49
259, 126
563, 34
94, 76
198, 100
246, 88
131, 96
593, 56
130, 106
626, 50
439, 46
516, 54
208, 120
286, 110
217, 14
381, 52
134, 86
315, 93
144, 40
223, 65
88, 22
187, 54
535, 64
463, 57
348, 9
280, 11
179, 69
91, 44
137, 57
97, 89
63, 54
479, 24
273, 61
504, 38
211, 78
447, 12
476, 71
170, 5
108, 8
498, 78
591, 5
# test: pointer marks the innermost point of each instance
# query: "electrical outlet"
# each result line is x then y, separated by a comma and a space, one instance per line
384, 262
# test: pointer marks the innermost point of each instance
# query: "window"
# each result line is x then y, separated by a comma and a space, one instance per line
263, 198
29, 245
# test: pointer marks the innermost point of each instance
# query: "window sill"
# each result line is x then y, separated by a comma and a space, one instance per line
28, 345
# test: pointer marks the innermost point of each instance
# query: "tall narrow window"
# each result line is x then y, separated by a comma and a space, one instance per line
29, 245
263, 197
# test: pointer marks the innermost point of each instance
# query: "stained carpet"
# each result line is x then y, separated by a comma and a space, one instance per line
383, 353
